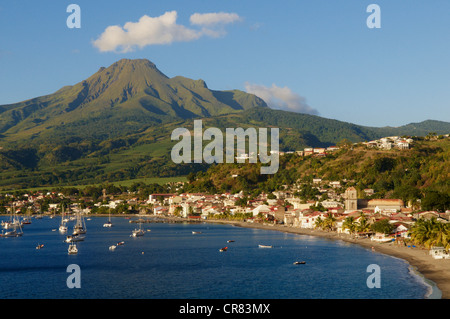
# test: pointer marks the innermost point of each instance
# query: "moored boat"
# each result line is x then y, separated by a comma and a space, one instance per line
72, 249
223, 249
265, 246
74, 238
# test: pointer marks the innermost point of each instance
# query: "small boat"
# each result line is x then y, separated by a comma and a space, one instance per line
138, 231
230, 241
265, 246
112, 247
299, 262
73, 249
108, 223
196, 232
224, 249
74, 238
120, 243
39, 246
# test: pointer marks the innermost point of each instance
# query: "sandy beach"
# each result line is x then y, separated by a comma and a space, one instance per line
437, 271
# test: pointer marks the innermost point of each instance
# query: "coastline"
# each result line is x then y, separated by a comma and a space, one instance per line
433, 272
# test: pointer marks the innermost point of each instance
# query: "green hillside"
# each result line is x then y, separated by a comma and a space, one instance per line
116, 125
405, 174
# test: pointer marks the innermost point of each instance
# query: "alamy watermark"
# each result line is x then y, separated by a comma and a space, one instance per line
191, 146
74, 279
374, 279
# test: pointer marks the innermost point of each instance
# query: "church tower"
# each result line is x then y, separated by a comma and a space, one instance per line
351, 199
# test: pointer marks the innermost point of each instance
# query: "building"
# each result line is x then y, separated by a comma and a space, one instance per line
351, 199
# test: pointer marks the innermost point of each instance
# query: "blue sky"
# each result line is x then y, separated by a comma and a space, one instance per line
311, 56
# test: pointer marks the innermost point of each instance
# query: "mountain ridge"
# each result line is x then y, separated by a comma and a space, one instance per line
125, 88
117, 123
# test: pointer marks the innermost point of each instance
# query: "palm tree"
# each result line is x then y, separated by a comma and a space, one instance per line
319, 223
441, 235
431, 233
329, 222
363, 224
350, 224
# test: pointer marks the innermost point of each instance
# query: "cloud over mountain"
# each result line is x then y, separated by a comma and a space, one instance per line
162, 30
281, 98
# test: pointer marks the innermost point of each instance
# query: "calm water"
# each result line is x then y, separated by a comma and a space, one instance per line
170, 262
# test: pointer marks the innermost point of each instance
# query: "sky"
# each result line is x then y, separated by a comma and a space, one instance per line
318, 56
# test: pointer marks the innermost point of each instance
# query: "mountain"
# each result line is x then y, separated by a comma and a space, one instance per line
128, 96
116, 125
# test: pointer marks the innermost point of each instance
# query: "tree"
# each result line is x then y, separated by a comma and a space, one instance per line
363, 224
329, 222
431, 232
319, 223
382, 226
350, 224
434, 200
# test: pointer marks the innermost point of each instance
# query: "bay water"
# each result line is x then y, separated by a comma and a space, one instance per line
171, 262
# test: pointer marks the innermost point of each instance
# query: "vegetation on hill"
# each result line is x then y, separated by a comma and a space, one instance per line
116, 125
421, 173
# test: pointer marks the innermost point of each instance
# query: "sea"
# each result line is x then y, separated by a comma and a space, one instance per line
172, 262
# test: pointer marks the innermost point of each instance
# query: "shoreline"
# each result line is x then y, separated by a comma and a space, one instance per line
434, 273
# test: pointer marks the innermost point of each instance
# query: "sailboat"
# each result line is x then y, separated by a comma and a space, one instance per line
13, 221
62, 226
27, 220
138, 231
80, 226
15, 225
108, 223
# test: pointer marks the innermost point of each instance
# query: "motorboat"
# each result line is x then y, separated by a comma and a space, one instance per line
137, 233
265, 246
73, 238
112, 247
299, 262
224, 249
230, 241
73, 250
120, 243
40, 246
12, 233
196, 232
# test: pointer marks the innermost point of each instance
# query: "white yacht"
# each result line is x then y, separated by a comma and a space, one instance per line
74, 238
108, 223
138, 231
62, 226
80, 226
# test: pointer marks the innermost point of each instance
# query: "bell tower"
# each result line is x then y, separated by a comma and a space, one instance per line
351, 199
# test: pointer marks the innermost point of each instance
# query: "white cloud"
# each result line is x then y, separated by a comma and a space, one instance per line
161, 30
210, 19
281, 98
